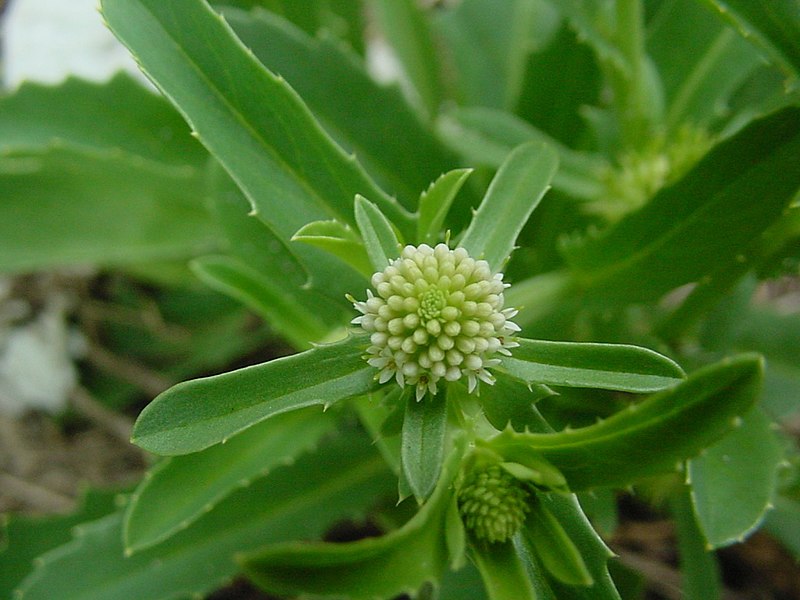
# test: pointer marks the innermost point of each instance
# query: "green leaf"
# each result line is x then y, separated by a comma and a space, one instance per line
700, 577
406, 29
554, 548
733, 481
569, 515
120, 115
594, 22
601, 366
711, 290
379, 238
509, 401
340, 481
180, 489
783, 522
275, 272
455, 535
423, 442
370, 119
601, 507
65, 206
636, 91
464, 584
435, 202
196, 414
485, 136
772, 24
561, 78
383, 567
514, 192
687, 229
766, 331
713, 63
265, 296
23, 539
254, 124
615, 31
374, 410
492, 76
619, 450
337, 239
343, 18
503, 572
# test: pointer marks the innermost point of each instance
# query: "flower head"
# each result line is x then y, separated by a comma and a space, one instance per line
493, 504
438, 314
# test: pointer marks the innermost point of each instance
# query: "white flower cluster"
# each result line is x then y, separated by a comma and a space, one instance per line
438, 314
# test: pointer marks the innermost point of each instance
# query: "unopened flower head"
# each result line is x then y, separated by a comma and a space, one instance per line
438, 314
493, 504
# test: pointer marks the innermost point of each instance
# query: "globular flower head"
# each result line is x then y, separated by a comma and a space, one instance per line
493, 504
438, 314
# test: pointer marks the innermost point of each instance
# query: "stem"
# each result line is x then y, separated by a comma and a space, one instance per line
630, 85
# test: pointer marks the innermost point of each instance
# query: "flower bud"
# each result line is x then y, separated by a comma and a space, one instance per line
429, 302
493, 504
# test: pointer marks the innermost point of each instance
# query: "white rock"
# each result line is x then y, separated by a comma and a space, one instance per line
36, 368
47, 40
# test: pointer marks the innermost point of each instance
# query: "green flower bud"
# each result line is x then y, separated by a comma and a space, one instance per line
493, 504
438, 314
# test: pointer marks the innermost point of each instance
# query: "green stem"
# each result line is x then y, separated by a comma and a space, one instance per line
699, 569
630, 86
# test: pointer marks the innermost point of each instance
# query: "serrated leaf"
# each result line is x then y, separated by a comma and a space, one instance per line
686, 229
733, 481
512, 196
265, 296
196, 414
340, 481
254, 124
435, 202
337, 239
342, 18
180, 489
422, 447
618, 451
417, 553
120, 115
593, 22
379, 238
503, 572
772, 24
66, 206
602, 366
368, 118
23, 538
277, 271
509, 401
